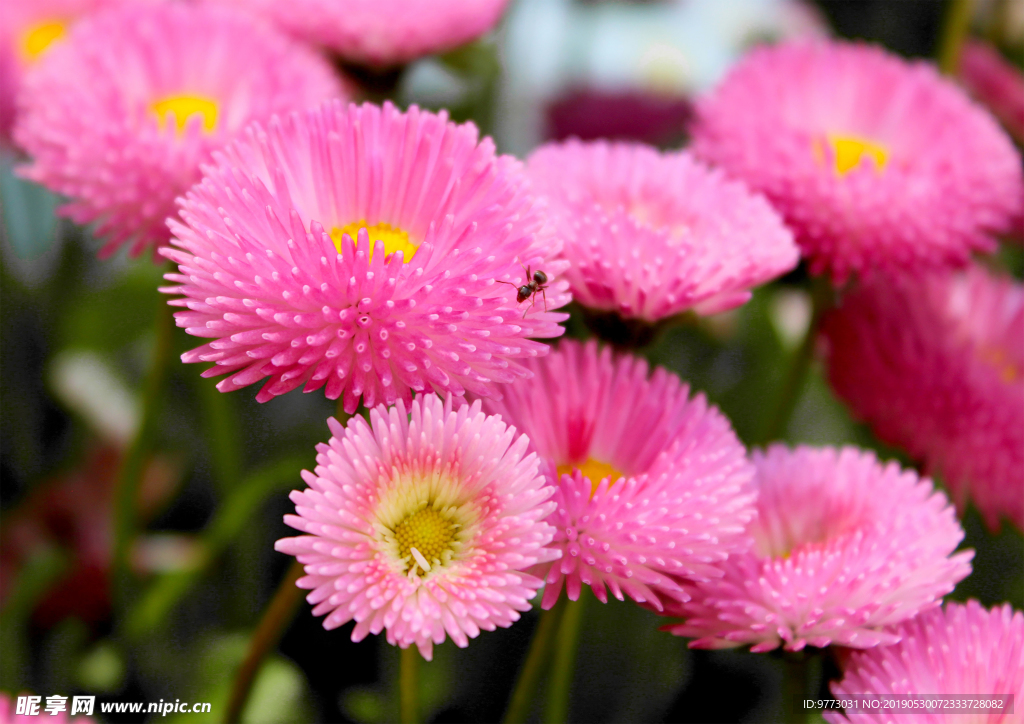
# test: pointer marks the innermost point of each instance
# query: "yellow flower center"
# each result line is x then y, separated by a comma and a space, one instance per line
394, 239
426, 538
849, 151
39, 37
997, 358
184, 107
593, 469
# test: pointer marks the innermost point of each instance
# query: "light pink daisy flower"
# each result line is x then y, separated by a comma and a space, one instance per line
654, 488
422, 523
964, 650
120, 115
650, 235
936, 366
28, 28
874, 161
843, 546
381, 32
370, 250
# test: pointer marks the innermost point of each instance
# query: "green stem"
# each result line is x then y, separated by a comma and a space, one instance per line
563, 666
799, 366
533, 667
222, 434
800, 678
126, 496
269, 631
955, 28
409, 685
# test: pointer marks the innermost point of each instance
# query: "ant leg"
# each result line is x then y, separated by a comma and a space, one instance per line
533, 300
544, 294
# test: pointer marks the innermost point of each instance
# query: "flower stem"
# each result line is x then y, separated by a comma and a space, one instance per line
564, 663
799, 366
801, 672
533, 667
955, 27
275, 619
126, 495
409, 685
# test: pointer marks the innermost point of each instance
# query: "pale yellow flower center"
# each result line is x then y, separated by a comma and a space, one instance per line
997, 358
394, 238
426, 537
849, 152
39, 37
593, 469
184, 107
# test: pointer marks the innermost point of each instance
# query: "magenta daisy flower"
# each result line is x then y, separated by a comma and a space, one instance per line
381, 32
964, 650
120, 116
367, 250
27, 31
654, 488
421, 524
874, 161
936, 366
843, 546
651, 234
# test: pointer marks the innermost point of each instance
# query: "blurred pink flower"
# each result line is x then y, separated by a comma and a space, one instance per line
843, 546
654, 488
936, 366
28, 28
963, 650
73, 511
362, 248
381, 32
651, 234
995, 83
875, 162
120, 115
422, 523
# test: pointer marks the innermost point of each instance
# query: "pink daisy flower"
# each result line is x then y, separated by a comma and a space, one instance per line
962, 650
120, 116
369, 250
936, 366
422, 523
874, 161
651, 234
994, 82
28, 28
381, 32
653, 487
843, 546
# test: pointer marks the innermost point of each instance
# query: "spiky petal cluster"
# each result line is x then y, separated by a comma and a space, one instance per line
27, 31
262, 274
649, 234
843, 546
964, 650
120, 115
381, 32
653, 487
875, 162
936, 366
464, 471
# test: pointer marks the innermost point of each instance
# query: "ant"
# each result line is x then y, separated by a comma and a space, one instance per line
538, 283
